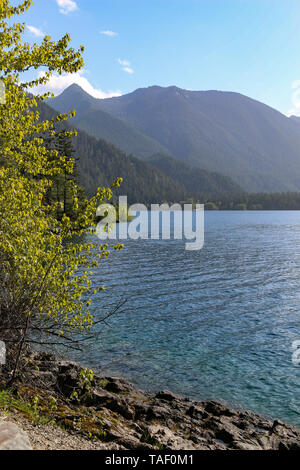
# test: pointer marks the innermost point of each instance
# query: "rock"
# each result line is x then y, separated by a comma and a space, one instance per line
97, 398
43, 378
45, 357
166, 395
103, 399
121, 407
68, 377
215, 408
67, 366
196, 412
141, 410
246, 445
118, 385
158, 413
168, 439
276, 423
132, 443
13, 438
48, 366
138, 420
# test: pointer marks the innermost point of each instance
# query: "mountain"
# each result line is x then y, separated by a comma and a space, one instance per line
102, 125
226, 132
155, 180
196, 181
295, 119
100, 163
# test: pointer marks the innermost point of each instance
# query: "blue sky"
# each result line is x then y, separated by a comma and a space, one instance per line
248, 46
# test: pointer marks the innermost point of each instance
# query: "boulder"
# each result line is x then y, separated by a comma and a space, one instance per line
169, 439
97, 398
118, 385
13, 438
68, 377
166, 395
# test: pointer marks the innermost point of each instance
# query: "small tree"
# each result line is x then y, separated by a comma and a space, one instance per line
62, 188
45, 285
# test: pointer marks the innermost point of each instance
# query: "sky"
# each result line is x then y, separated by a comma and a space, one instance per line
247, 46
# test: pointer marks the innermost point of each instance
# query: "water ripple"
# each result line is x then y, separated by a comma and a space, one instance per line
218, 323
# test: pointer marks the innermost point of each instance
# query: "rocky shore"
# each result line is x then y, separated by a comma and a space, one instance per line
109, 413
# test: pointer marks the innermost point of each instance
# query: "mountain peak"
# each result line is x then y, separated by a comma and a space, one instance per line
74, 88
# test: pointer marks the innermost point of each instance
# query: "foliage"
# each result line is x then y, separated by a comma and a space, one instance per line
40, 407
45, 285
84, 385
9, 401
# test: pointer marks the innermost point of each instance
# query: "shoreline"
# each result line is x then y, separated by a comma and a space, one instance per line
67, 407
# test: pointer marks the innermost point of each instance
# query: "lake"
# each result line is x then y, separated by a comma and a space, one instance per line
218, 323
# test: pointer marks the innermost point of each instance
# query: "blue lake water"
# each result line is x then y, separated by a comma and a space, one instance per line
216, 323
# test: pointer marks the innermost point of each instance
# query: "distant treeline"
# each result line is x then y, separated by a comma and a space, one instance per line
257, 201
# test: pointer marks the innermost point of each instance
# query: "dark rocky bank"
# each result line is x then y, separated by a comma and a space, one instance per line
115, 412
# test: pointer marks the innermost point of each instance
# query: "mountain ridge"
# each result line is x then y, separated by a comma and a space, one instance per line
221, 131
103, 125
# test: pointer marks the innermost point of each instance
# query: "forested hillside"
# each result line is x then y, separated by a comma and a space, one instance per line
195, 180
160, 179
100, 163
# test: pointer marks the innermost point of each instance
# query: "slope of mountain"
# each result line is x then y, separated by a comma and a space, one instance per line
100, 163
195, 180
295, 119
218, 131
160, 179
102, 125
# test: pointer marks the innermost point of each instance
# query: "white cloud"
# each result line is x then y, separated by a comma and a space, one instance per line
108, 32
66, 6
295, 99
58, 83
128, 70
125, 63
35, 31
126, 66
